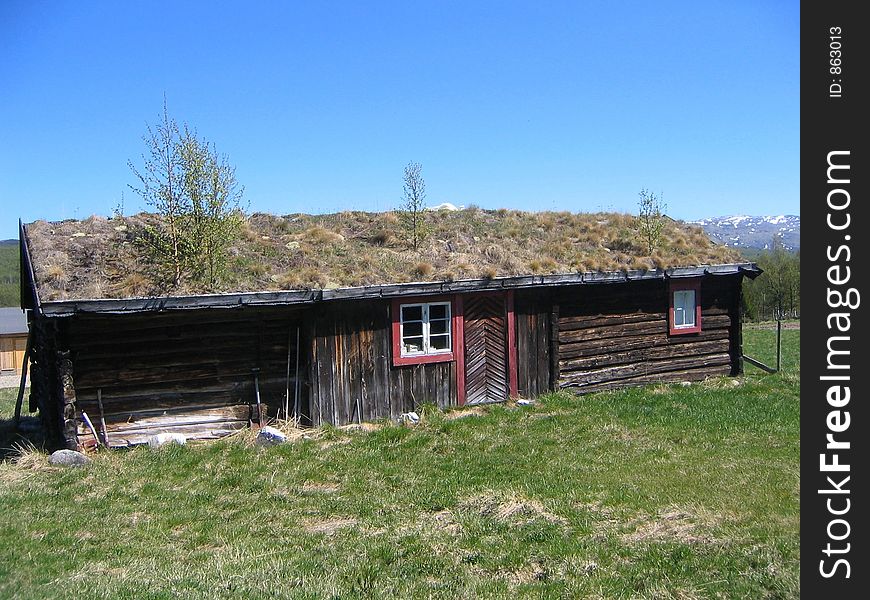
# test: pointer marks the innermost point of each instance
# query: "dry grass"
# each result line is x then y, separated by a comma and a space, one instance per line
99, 258
508, 507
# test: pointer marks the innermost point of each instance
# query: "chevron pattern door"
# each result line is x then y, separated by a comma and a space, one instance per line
486, 352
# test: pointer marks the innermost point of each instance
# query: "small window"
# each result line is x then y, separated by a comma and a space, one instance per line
685, 309
423, 332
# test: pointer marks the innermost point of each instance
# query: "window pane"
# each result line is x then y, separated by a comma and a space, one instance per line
412, 329
684, 308
436, 327
439, 342
412, 313
412, 345
438, 311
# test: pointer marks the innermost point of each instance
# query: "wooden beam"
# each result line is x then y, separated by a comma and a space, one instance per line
758, 364
512, 343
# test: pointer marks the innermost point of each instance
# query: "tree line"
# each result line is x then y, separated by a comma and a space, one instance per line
775, 294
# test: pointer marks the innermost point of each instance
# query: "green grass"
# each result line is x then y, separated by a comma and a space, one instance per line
661, 492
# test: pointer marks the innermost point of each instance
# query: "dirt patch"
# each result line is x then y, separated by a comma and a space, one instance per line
531, 572
675, 524
474, 411
445, 521
327, 526
621, 433
327, 444
772, 325
509, 508
315, 487
364, 427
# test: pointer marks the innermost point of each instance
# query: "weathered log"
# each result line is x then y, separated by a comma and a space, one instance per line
643, 368
652, 326
587, 321
669, 377
644, 355
606, 345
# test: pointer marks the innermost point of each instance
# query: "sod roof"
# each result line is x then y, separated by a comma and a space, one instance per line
100, 258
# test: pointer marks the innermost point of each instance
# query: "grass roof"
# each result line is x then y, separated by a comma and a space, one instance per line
99, 257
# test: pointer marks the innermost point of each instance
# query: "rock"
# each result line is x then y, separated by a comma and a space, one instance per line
160, 439
411, 418
269, 436
68, 458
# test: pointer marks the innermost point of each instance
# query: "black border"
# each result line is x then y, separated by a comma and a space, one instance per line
831, 124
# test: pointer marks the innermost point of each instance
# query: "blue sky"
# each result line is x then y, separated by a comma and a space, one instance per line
535, 106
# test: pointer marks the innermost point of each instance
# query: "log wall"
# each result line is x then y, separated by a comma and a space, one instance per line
617, 335
352, 375
186, 372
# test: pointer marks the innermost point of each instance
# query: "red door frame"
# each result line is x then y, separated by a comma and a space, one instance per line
511, 343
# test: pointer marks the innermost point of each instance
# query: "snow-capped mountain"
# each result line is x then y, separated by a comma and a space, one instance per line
743, 231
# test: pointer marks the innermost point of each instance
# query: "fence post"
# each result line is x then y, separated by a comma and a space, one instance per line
778, 345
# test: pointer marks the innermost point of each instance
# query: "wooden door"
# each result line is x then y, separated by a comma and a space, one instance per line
487, 356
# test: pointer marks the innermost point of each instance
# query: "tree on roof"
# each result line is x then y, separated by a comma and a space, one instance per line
195, 192
412, 211
650, 219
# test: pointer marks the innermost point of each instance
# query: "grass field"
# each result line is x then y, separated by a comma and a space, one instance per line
662, 492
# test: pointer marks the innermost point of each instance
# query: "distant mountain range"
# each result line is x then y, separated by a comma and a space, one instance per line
742, 231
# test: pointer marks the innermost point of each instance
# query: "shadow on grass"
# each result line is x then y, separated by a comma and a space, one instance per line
29, 432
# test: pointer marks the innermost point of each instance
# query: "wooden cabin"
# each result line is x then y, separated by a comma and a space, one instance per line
13, 340
207, 364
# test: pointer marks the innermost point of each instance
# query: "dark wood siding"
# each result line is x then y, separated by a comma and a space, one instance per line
532, 309
616, 335
187, 372
352, 377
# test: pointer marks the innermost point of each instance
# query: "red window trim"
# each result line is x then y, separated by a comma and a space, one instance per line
455, 325
678, 286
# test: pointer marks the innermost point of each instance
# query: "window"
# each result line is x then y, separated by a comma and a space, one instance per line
685, 309
422, 332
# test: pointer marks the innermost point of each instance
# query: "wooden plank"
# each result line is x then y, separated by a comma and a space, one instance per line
555, 346
758, 364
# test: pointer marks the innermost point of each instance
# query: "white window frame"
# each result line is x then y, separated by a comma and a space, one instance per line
688, 312
427, 350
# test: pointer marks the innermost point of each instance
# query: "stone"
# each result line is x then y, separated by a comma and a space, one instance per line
269, 436
411, 418
68, 458
160, 439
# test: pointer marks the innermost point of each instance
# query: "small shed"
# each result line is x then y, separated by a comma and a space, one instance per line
336, 321
13, 340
